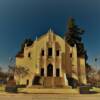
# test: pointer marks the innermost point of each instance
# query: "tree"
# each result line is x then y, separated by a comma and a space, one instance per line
99, 74
91, 76
21, 72
74, 33
88, 68
3, 75
11, 69
0, 69
74, 36
28, 42
18, 71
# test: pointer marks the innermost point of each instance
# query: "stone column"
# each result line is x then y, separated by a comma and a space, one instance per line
53, 59
60, 63
65, 80
45, 62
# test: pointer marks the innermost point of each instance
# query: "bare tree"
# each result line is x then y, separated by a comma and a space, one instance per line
0, 71
99, 74
21, 72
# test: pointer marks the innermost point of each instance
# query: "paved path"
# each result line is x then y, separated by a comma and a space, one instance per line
49, 97
48, 91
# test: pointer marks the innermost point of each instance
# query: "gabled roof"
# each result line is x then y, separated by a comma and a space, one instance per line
29, 42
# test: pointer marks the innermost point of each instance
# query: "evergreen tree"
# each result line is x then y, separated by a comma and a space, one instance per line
74, 36
28, 42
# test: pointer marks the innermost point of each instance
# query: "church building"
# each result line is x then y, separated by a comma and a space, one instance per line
51, 62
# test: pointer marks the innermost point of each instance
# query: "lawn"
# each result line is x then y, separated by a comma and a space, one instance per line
2, 88
95, 89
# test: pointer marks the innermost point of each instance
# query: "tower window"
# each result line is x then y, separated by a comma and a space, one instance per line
57, 53
70, 54
49, 51
57, 72
42, 53
29, 55
42, 71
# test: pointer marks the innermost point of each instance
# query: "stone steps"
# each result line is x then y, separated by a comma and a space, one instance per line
51, 82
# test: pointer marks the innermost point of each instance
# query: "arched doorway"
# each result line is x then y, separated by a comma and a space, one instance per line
50, 70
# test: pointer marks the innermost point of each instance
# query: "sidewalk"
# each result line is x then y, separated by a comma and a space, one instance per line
72, 92
49, 91
42, 91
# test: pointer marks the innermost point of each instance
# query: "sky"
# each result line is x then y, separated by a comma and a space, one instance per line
20, 19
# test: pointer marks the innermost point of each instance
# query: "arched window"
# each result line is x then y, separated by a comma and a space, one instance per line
29, 55
50, 70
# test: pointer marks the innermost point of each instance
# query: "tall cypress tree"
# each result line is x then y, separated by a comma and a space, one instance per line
74, 36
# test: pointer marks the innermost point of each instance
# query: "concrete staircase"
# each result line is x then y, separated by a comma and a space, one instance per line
52, 82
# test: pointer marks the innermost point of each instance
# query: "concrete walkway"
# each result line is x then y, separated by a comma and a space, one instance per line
49, 91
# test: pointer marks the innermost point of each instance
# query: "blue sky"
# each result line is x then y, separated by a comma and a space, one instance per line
20, 19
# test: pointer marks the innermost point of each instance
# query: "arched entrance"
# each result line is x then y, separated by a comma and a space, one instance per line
50, 70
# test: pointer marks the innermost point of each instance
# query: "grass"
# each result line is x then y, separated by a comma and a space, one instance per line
2, 88
95, 89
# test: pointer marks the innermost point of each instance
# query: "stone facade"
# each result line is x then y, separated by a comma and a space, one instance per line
51, 58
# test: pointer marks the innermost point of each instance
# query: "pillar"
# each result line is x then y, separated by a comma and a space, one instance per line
53, 57
60, 63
